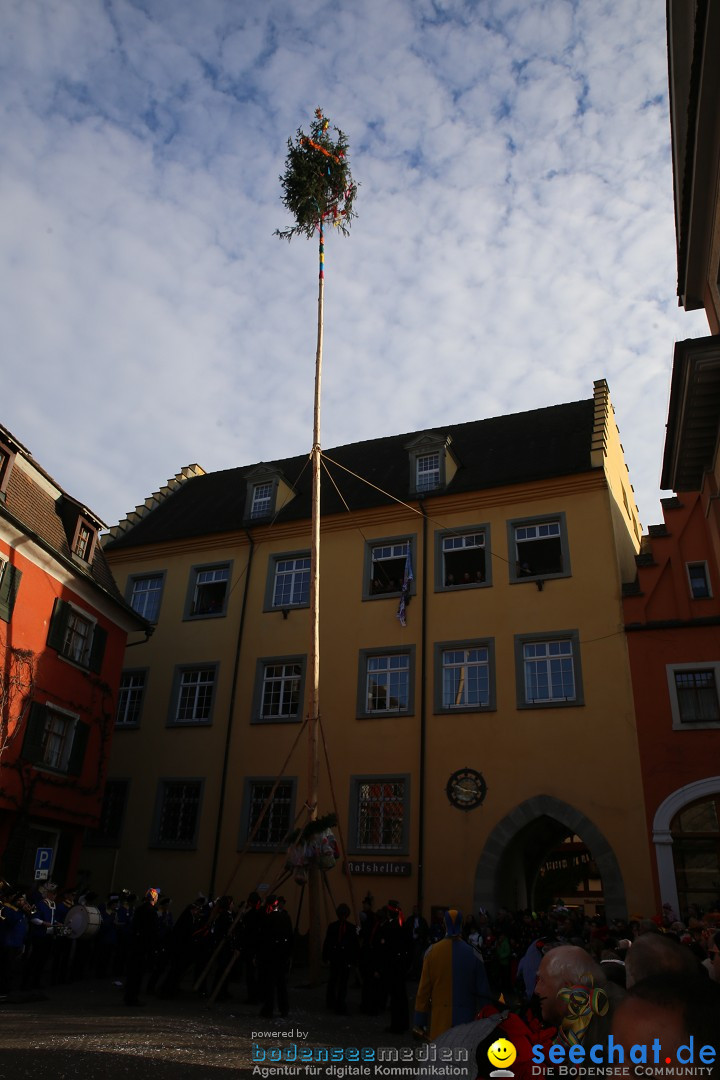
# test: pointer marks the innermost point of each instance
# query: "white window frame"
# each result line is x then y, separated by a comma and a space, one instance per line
131, 696
54, 761
449, 542
263, 497
209, 574
144, 594
183, 681
295, 568
391, 549
427, 471
283, 679
552, 656
698, 666
77, 647
544, 527
387, 664
462, 660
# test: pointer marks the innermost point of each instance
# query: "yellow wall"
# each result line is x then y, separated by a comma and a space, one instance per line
585, 756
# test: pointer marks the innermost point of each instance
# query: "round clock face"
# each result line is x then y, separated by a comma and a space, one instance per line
466, 789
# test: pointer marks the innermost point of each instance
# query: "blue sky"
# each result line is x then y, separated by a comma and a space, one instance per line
514, 242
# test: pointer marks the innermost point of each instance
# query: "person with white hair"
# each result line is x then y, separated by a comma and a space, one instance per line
575, 995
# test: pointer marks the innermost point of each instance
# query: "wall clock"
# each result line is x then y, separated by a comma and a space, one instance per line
466, 789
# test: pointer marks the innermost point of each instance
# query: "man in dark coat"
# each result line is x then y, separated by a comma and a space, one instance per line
394, 961
274, 950
142, 945
340, 952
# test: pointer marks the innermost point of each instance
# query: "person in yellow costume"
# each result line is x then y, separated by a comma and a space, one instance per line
453, 984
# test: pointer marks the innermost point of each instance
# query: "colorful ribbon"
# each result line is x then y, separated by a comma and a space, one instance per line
583, 1002
316, 146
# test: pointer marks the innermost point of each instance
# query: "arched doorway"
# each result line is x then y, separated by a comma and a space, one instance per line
686, 834
519, 845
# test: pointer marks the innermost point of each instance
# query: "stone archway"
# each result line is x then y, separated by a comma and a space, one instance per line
488, 887
662, 837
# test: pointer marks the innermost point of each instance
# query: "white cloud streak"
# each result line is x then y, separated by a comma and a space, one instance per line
515, 238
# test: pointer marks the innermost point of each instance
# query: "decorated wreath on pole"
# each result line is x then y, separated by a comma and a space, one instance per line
317, 185
312, 845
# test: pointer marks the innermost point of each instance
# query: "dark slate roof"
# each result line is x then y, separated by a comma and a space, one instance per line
34, 510
520, 448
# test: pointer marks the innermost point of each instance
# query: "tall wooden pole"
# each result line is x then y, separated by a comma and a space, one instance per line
314, 705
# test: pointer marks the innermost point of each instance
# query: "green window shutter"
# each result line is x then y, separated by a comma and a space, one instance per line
79, 746
97, 650
32, 747
9, 584
58, 625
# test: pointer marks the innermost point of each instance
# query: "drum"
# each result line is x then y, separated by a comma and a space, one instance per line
82, 921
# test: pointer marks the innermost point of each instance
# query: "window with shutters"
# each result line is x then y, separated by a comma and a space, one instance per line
76, 636
9, 584
83, 544
55, 739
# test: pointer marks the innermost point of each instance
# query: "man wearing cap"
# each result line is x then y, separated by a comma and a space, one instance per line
453, 983
143, 942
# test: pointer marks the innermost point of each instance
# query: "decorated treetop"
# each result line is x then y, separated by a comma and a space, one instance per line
317, 184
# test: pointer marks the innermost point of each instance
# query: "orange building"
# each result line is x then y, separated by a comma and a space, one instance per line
63, 629
672, 616
672, 612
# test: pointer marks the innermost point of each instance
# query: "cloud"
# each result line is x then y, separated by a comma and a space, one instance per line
515, 238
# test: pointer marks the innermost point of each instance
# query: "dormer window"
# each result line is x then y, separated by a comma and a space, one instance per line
427, 476
84, 541
432, 465
261, 504
267, 492
6, 459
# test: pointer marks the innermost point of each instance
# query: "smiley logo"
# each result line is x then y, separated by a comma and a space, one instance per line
502, 1053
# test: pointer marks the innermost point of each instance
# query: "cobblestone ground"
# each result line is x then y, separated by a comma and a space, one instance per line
83, 1031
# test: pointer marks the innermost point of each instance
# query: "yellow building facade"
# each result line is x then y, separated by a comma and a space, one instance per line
458, 750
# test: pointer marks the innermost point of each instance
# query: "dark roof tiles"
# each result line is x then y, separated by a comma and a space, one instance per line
505, 450
35, 509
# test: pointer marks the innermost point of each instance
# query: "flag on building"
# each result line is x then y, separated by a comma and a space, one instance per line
405, 591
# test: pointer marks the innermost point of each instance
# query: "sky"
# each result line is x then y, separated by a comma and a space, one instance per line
514, 240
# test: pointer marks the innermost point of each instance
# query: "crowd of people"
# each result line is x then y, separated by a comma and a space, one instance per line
529, 969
